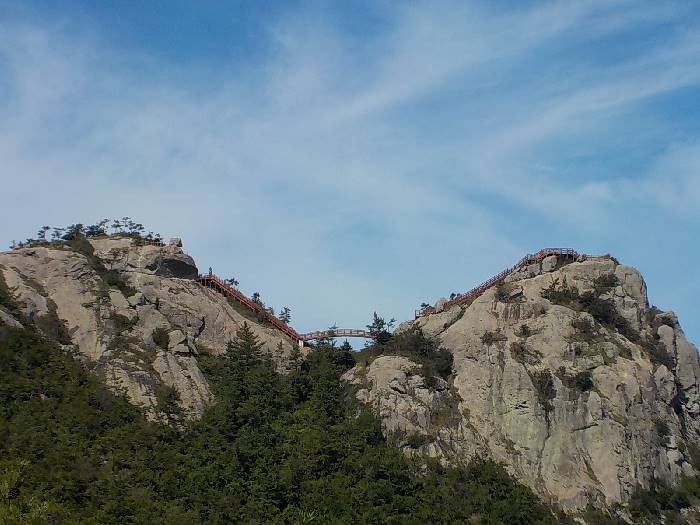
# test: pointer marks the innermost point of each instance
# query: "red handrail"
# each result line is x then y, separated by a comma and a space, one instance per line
339, 332
214, 282
528, 259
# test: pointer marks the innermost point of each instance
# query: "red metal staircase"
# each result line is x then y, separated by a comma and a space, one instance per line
215, 283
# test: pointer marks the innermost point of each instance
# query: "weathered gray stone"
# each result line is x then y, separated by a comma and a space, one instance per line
593, 445
440, 305
549, 264
395, 388
166, 261
125, 354
8, 319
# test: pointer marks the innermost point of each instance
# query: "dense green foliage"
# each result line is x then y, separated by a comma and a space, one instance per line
660, 505
124, 227
7, 298
435, 361
380, 329
161, 338
546, 391
601, 308
274, 449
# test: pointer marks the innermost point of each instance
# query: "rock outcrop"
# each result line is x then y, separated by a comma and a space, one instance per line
582, 400
108, 298
563, 372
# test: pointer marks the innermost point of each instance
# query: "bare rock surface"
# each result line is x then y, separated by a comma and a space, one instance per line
112, 327
582, 411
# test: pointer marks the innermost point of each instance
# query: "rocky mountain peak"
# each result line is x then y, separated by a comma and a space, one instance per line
563, 372
560, 369
133, 312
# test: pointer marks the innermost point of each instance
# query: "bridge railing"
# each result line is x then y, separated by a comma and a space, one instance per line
340, 332
528, 259
213, 281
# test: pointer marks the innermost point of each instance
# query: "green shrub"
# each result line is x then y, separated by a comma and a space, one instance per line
416, 440
524, 331
546, 392
122, 323
162, 339
585, 328
581, 381
662, 428
111, 278
503, 292
8, 299
694, 455
121, 342
662, 504
602, 310
114, 280
518, 350
605, 312
593, 516
437, 365
435, 361
561, 294
490, 338
522, 353
657, 352
51, 326
168, 402
605, 283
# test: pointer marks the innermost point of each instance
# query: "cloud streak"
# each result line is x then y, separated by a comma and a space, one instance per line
340, 174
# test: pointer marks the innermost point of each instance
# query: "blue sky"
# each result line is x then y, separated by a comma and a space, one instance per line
346, 157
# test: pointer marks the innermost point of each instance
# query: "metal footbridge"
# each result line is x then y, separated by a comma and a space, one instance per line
215, 283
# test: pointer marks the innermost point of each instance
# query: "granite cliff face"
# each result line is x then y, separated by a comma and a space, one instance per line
132, 313
564, 373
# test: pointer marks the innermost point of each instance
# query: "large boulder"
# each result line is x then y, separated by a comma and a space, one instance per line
173, 263
166, 261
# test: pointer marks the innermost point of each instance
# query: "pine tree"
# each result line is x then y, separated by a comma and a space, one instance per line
380, 329
246, 343
126, 224
285, 315
97, 230
41, 234
74, 232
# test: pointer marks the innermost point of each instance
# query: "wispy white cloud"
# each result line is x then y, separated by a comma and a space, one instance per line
336, 170
673, 183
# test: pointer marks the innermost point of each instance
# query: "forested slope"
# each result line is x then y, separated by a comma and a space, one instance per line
273, 449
